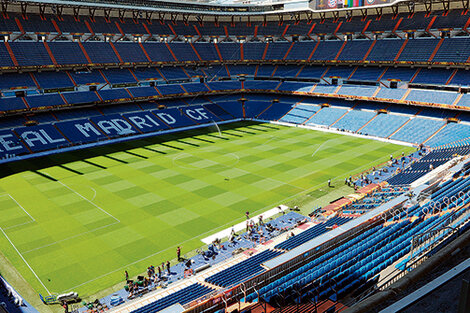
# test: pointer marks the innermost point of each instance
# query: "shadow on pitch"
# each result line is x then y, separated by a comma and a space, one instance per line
149, 144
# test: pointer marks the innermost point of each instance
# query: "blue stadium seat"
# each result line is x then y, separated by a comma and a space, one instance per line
417, 130
354, 120
326, 116
100, 52
30, 53
47, 100
66, 52
384, 125
243, 270
182, 296
12, 104
53, 80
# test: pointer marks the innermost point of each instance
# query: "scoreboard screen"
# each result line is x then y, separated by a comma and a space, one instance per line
343, 4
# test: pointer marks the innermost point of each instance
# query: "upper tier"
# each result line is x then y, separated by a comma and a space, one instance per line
66, 24
67, 53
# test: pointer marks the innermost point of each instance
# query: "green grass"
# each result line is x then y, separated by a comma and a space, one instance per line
91, 214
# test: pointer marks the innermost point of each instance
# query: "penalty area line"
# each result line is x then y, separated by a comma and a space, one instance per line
71, 237
24, 210
24, 260
32, 218
89, 201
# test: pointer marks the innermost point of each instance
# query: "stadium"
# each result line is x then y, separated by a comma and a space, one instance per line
234, 156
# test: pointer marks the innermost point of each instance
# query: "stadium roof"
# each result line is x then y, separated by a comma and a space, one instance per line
219, 7
227, 7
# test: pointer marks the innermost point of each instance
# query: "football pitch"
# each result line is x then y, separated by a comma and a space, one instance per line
76, 221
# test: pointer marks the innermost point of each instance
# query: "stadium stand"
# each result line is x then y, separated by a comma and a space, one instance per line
183, 296
417, 130
354, 120
349, 90
432, 97
243, 270
384, 125
418, 169
311, 233
300, 114
367, 73
71, 81
327, 116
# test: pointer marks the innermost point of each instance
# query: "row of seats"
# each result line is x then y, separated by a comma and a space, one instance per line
352, 265
311, 233
182, 296
383, 125
300, 113
418, 130
337, 262
69, 79
34, 23
39, 54
354, 120
373, 200
423, 166
393, 125
450, 133
327, 116
243, 270
397, 127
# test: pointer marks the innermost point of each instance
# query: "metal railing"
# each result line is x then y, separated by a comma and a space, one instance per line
426, 244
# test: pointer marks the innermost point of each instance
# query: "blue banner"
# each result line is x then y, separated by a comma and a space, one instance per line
114, 125
10, 145
80, 131
41, 137
145, 121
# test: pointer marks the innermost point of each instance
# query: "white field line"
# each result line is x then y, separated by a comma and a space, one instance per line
19, 253
13, 245
220, 227
94, 195
89, 201
81, 234
17, 225
269, 140
68, 238
22, 207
